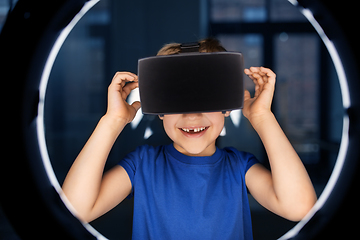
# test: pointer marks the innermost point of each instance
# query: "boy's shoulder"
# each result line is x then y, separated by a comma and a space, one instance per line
147, 150
239, 154
246, 159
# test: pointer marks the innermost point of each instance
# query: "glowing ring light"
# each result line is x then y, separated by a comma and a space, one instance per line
29, 43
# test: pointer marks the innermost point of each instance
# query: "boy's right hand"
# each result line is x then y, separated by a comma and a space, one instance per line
118, 108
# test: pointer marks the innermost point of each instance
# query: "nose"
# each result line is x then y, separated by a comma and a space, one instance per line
192, 116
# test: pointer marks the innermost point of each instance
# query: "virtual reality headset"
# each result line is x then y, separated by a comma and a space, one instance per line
191, 83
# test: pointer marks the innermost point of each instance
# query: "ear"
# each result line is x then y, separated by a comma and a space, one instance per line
161, 117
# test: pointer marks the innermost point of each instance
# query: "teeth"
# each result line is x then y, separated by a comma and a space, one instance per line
194, 129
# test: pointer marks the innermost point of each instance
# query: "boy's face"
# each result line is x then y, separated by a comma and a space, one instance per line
194, 134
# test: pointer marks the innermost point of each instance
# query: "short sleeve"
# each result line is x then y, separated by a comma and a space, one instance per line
251, 160
130, 163
247, 159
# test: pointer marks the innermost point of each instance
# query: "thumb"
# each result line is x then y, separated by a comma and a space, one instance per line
246, 95
136, 105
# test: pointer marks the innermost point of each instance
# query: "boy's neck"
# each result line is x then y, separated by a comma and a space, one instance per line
207, 152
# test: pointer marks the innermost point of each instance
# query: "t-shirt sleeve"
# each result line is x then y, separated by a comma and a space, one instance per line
130, 163
247, 159
251, 160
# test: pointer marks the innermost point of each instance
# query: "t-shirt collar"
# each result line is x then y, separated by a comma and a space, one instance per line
191, 159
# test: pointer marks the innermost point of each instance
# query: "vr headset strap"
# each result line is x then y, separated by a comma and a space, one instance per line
189, 47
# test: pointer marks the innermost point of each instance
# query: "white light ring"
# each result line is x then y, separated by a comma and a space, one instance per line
344, 87
40, 117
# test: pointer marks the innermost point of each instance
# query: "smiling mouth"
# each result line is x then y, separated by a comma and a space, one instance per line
194, 130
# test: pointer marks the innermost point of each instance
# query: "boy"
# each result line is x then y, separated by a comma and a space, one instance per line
190, 189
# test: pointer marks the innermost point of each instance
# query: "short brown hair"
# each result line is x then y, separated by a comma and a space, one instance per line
206, 45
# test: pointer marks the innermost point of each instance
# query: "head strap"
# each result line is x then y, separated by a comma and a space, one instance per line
189, 47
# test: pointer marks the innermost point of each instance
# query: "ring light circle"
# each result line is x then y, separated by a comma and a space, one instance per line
344, 162
346, 124
40, 119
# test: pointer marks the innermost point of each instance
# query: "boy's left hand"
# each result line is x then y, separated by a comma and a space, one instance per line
256, 108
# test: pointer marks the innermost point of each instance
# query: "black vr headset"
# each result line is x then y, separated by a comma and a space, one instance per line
191, 82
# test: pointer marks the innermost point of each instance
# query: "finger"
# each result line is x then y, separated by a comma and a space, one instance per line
258, 87
259, 78
250, 71
129, 75
267, 71
128, 88
254, 73
252, 77
259, 70
259, 84
263, 75
263, 78
120, 78
254, 69
247, 71
250, 74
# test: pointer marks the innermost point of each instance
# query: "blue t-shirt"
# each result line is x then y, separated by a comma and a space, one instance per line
182, 197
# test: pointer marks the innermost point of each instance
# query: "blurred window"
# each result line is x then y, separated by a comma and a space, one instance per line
307, 101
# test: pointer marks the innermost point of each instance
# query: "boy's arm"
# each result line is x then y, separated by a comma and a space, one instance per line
91, 193
287, 190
